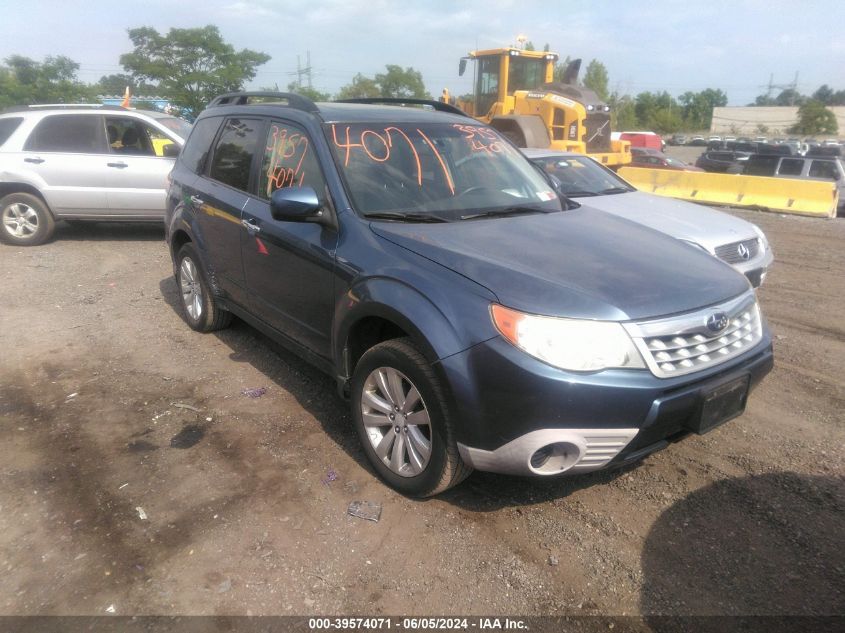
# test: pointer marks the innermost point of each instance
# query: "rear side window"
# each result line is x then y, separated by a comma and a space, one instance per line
76, 133
824, 169
199, 144
7, 126
232, 159
791, 167
761, 166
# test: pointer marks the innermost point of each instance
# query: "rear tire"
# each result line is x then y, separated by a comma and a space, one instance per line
198, 304
402, 417
26, 220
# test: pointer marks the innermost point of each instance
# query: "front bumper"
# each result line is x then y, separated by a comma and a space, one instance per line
756, 269
509, 405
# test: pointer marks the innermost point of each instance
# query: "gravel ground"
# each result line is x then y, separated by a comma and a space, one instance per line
137, 479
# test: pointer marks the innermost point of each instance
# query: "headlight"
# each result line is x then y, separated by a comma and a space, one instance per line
572, 344
762, 236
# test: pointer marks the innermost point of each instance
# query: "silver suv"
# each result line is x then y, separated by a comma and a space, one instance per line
82, 163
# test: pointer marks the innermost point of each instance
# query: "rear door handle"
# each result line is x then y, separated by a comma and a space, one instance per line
197, 201
251, 228
120, 165
37, 160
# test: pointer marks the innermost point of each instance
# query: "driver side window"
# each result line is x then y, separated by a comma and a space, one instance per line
289, 161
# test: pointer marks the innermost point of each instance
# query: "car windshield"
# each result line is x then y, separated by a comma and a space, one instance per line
582, 176
179, 126
410, 171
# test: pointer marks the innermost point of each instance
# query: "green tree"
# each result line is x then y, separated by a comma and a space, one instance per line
697, 107
24, 81
305, 91
665, 121
790, 97
623, 113
361, 86
116, 85
763, 100
595, 78
648, 104
814, 118
401, 83
190, 66
394, 83
824, 95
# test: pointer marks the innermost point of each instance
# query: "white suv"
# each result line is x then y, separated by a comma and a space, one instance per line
82, 162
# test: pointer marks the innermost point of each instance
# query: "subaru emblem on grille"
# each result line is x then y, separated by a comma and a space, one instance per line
717, 322
743, 251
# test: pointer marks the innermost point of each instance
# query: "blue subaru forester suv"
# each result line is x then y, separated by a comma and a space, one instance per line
472, 317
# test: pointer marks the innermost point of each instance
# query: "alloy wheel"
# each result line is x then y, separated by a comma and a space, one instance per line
20, 220
396, 421
191, 287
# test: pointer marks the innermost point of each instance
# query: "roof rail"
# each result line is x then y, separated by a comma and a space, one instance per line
440, 106
295, 101
61, 106
101, 106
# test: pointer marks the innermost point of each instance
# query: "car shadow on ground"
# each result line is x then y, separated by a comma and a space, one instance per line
317, 393
108, 231
765, 545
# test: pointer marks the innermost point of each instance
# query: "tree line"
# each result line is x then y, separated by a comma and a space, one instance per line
189, 67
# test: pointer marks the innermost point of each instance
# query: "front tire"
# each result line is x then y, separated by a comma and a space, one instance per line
198, 304
402, 417
26, 220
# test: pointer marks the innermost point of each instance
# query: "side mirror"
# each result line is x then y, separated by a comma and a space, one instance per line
297, 204
171, 150
462, 66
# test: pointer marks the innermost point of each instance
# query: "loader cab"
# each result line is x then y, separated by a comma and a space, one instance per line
500, 72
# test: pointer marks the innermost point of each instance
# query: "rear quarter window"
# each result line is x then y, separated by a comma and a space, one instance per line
231, 162
823, 169
199, 143
7, 126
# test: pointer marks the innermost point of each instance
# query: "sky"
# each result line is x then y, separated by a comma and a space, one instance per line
734, 45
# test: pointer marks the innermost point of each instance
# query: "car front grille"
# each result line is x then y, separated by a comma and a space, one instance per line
738, 252
685, 344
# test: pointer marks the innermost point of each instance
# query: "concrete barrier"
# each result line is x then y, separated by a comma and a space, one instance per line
783, 195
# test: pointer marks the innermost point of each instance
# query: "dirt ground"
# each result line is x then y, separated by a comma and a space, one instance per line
137, 479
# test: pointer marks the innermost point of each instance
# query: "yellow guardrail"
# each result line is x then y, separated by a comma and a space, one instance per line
784, 195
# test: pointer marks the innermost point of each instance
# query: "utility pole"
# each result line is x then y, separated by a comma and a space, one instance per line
300, 71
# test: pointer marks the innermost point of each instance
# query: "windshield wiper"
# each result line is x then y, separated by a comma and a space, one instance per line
612, 190
578, 194
501, 212
405, 217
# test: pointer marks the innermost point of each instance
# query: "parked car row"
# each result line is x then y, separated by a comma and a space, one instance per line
478, 310
654, 159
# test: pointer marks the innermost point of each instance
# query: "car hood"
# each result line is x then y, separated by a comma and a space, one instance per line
683, 220
581, 264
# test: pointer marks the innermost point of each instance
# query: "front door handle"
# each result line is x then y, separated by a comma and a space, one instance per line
120, 165
250, 227
197, 201
37, 160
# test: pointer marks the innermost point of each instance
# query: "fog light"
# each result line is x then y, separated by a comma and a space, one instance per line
554, 458
540, 457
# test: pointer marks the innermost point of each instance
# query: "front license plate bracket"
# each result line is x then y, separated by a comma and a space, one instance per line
722, 403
